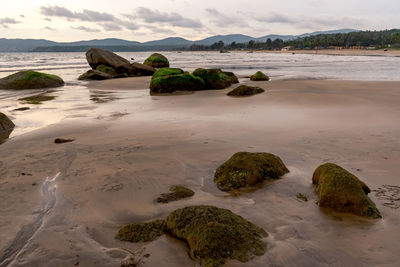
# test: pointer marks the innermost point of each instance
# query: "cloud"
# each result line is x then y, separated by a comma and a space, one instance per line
85, 29
4, 22
173, 19
107, 21
223, 20
49, 28
85, 15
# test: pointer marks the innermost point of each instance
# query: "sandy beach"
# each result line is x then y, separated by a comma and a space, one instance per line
62, 204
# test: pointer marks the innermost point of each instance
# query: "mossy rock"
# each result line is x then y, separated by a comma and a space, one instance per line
259, 76
244, 90
142, 232
6, 127
95, 75
106, 69
177, 193
157, 60
167, 72
213, 78
342, 191
171, 83
215, 235
232, 76
245, 169
96, 57
37, 99
30, 80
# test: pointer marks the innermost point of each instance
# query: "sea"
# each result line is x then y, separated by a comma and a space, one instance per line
76, 101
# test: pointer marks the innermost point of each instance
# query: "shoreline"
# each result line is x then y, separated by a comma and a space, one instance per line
115, 169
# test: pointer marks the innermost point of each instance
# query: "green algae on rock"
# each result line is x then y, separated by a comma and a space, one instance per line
231, 76
177, 193
37, 99
166, 72
342, 191
142, 232
244, 90
215, 235
245, 169
157, 60
94, 75
171, 83
30, 80
107, 69
259, 76
213, 78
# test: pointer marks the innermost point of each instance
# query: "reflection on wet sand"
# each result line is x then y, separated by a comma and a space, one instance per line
100, 97
4, 135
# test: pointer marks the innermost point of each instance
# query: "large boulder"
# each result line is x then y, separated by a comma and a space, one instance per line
95, 75
157, 60
244, 90
97, 57
215, 235
233, 78
137, 69
171, 83
6, 127
245, 169
30, 80
213, 78
259, 76
167, 72
342, 191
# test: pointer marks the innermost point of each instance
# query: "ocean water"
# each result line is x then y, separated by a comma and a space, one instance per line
76, 101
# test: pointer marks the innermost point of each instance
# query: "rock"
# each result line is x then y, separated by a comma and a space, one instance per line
62, 141
259, 76
6, 127
213, 78
142, 232
245, 169
232, 76
177, 193
96, 57
94, 75
302, 197
244, 90
137, 69
22, 109
167, 72
172, 83
342, 191
157, 60
215, 235
106, 69
30, 80
37, 99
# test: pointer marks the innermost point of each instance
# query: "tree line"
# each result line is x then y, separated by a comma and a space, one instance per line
378, 39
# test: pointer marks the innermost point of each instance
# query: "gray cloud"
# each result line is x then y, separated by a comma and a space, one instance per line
85, 15
111, 27
49, 28
223, 20
85, 29
174, 19
4, 22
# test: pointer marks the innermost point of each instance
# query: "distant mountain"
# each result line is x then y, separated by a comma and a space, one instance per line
40, 45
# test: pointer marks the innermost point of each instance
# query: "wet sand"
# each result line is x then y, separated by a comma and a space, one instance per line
115, 169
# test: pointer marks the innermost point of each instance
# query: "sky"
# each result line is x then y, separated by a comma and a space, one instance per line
138, 20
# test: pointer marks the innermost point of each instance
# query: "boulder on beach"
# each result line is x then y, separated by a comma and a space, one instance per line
176, 193
95, 75
232, 76
342, 191
142, 232
244, 90
213, 78
215, 235
167, 72
6, 127
259, 76
96, 57
171, 83
30, 80
106, 69
245, 169
137, 69
157, 60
